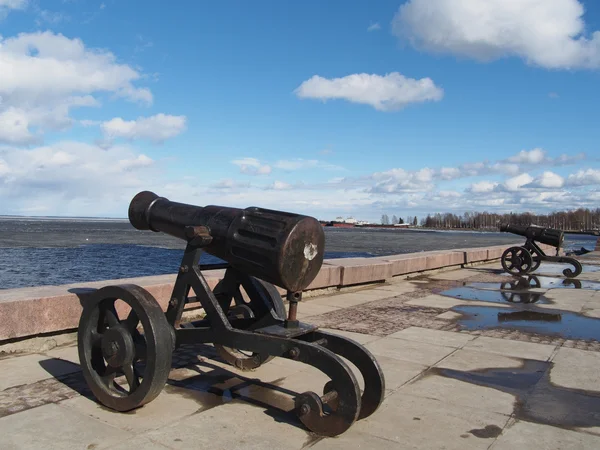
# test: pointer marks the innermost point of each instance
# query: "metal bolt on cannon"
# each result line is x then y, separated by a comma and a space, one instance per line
526, 259
262, 249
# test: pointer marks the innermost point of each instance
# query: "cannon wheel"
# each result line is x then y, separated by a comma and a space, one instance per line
537, 260
109, 347
516, 260
250, 360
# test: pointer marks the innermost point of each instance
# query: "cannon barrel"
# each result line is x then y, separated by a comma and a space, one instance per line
282, 248
545, 235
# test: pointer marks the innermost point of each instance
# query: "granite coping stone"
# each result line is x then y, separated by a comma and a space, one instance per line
33, 311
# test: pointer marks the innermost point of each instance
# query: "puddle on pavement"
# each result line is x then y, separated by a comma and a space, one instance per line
537, 399
538, 281
545, 322
482, 295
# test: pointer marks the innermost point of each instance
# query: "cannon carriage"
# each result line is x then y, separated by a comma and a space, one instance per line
527, 258
245, 316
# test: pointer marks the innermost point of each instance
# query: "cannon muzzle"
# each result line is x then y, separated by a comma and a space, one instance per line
281, 248
545, 235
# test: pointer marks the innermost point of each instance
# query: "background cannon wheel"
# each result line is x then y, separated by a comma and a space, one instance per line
109, 347
245, 360
516, 260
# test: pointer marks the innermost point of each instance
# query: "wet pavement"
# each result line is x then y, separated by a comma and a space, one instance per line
472, 358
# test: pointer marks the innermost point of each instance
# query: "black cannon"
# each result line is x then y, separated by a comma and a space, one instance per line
245, 316
526, 259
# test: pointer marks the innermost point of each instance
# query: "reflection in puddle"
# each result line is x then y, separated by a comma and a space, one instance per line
539, 281
557, 269
537, 399
470, 293
558, 323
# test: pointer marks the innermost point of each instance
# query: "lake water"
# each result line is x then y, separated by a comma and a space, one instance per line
36, 252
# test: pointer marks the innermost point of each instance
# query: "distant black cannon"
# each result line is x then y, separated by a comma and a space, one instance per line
526, 259
245, 316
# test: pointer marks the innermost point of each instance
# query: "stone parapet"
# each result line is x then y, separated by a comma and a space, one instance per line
27, 312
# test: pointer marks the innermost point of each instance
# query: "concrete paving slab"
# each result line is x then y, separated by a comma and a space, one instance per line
440, 301
171, 405
31, 368
449, 315
310, 380
576, 369
54, 427
421, 423
139, 442
518, 349
416, 352
521, 435
233, 426
591, 313
457, 392
397, 373
453, 275
310, 308
436, 337
358, 337
353, 439
397, 288
469, 360
571, 295
69, 353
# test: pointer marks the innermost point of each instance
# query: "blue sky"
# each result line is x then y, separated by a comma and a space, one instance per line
324, 108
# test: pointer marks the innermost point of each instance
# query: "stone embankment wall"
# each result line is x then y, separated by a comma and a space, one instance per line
30, 312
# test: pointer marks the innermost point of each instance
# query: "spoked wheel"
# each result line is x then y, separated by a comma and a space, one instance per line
246, 360
536, 261
516, 260
520, 284
110, 348
521, 297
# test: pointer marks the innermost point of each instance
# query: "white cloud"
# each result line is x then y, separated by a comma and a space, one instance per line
482, 187
535, 156
546, 33
252, 166
449, 173
157, 128
45, 75
553, 95
8, 5
279, 186
384, 93
71, 177
230, 184
400, 180
505, 168
586, 177
515, 183
548, 180
374, 27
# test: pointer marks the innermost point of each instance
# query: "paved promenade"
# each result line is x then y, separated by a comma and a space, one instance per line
473, 359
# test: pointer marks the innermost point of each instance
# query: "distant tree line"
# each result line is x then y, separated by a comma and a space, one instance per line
385, 220
580, 219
